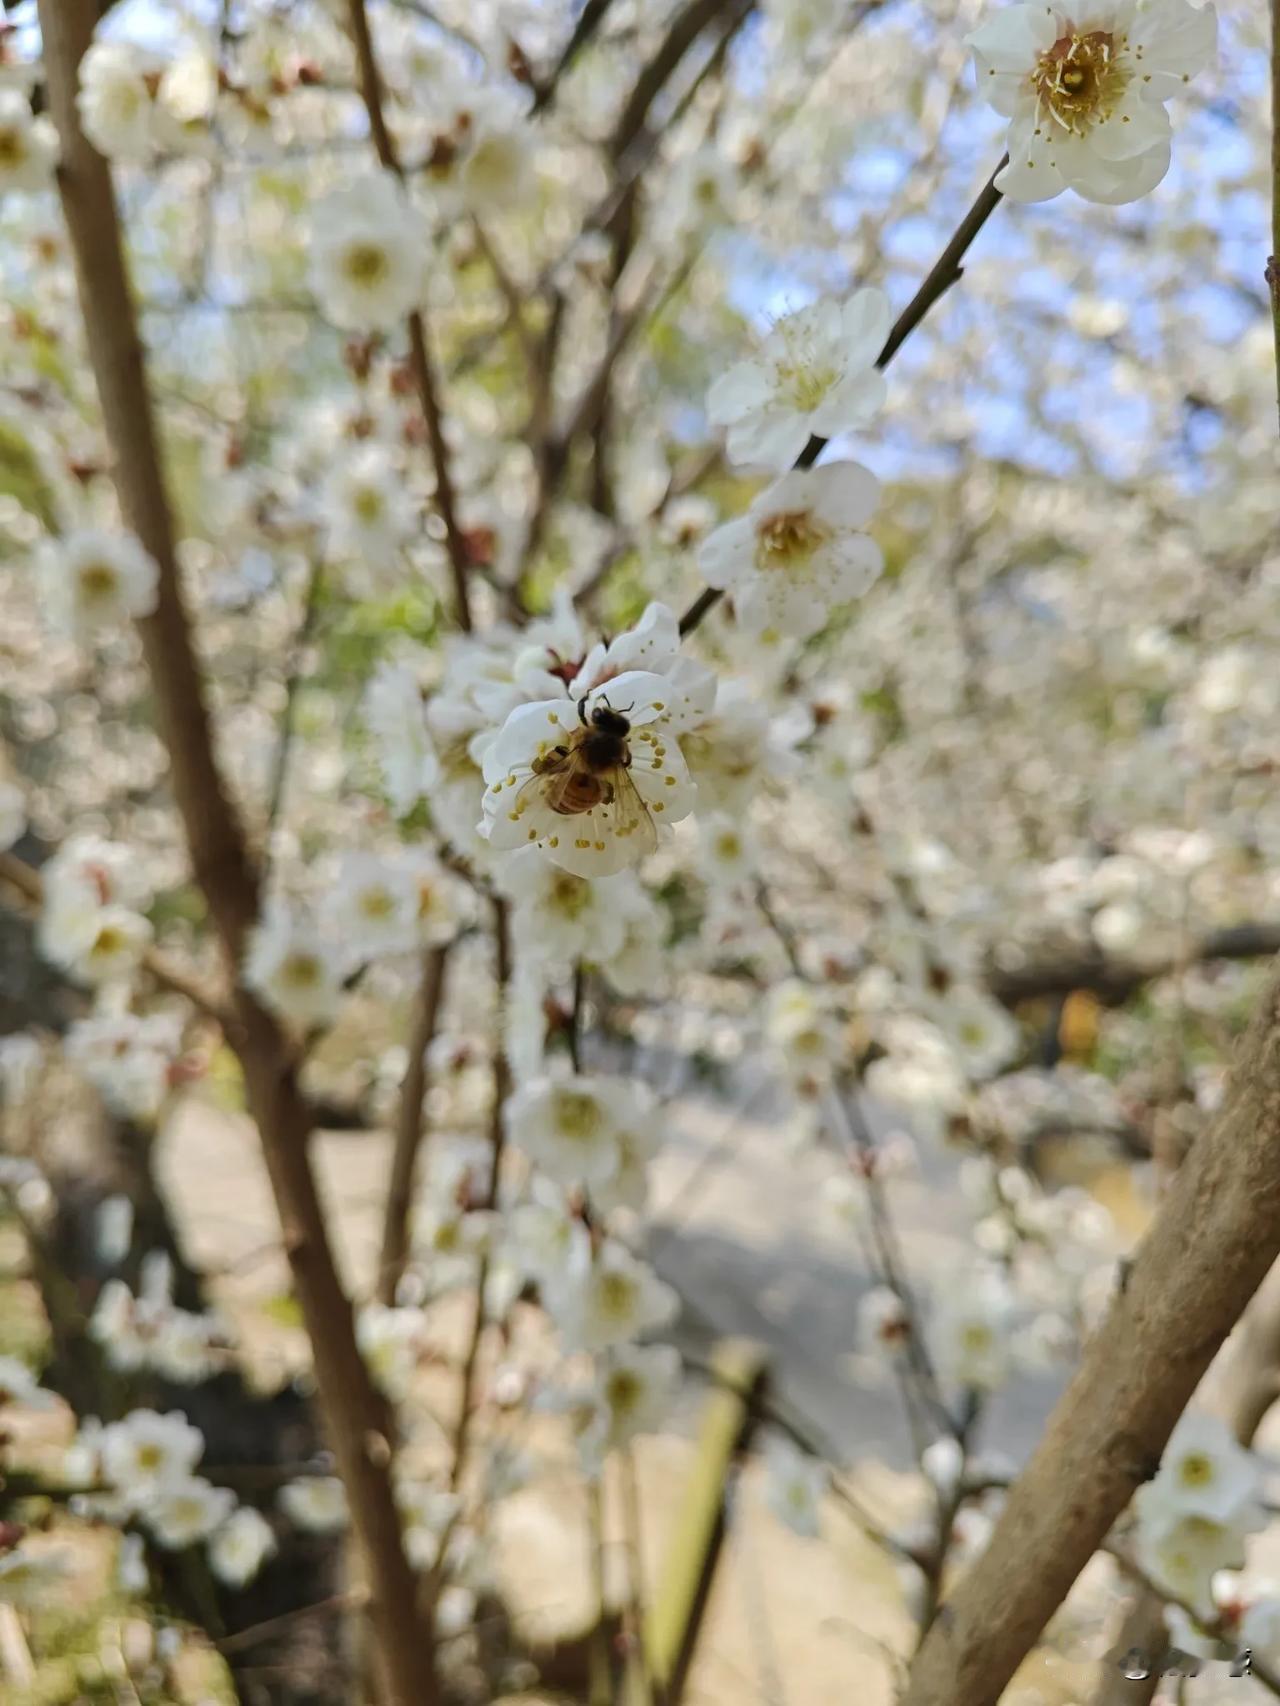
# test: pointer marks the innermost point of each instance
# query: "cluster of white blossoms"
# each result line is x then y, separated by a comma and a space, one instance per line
148, 1331
801, 549
300, 957
1085, 92
97, 581
93, 921
368, 254
1194, 1517
143, 1471
133, 1060
135, 103
28, 144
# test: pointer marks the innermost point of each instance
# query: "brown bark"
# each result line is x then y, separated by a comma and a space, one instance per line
424, 373
409, 1126
349, 1404
1210, 1246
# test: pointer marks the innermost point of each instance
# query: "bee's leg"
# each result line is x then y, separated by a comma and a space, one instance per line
608, 793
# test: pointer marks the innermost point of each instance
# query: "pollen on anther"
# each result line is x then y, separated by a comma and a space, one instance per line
514, 817
599, 846
553, 841
657, 703
671, 781
582, 843
533, 835
658, 806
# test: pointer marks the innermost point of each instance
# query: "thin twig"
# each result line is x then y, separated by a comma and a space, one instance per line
428, 1003
420, 362
293, 681
1273, 262
945, 272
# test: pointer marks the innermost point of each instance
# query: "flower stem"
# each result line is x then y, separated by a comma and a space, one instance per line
947, 270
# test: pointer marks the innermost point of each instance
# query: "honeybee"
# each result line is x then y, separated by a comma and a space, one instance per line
592, 769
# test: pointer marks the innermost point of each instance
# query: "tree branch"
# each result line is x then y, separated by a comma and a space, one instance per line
1116, 980
589, 21
684, 29
945, 272
350, 1405
1273, 262
420, 362
1207, 1251
428, 1003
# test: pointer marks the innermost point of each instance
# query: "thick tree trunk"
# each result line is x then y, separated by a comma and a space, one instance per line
1215, 1237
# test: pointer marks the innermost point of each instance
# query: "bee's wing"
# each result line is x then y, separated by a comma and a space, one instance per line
631, 816
552, 782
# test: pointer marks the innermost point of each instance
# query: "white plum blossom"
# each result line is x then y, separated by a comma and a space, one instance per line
800, 551
243, 1544
1184, 1551
315, 1503
391, 1341
396, 717
115, 948
591, 784
19, 1386
368, 254
568, 1126
98, 580
497, 168
373, 906
291, 969
982, 1033
972, 1330
560, 918
146, 1451
179, 1513
1084, 90
119, 81
129, 1058
1193, 1517
28, 145
546, 1241
370, 512
795, 1484
814, 375
1204, 1470
620, 1299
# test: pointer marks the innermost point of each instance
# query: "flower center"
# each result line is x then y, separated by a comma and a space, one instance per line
366, 263
788, 540
377, 904
570, 895
577, 1116
368, 505
300, 971
623, 1391
616, 1296
1197, 1470
1080, 78
97, 582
